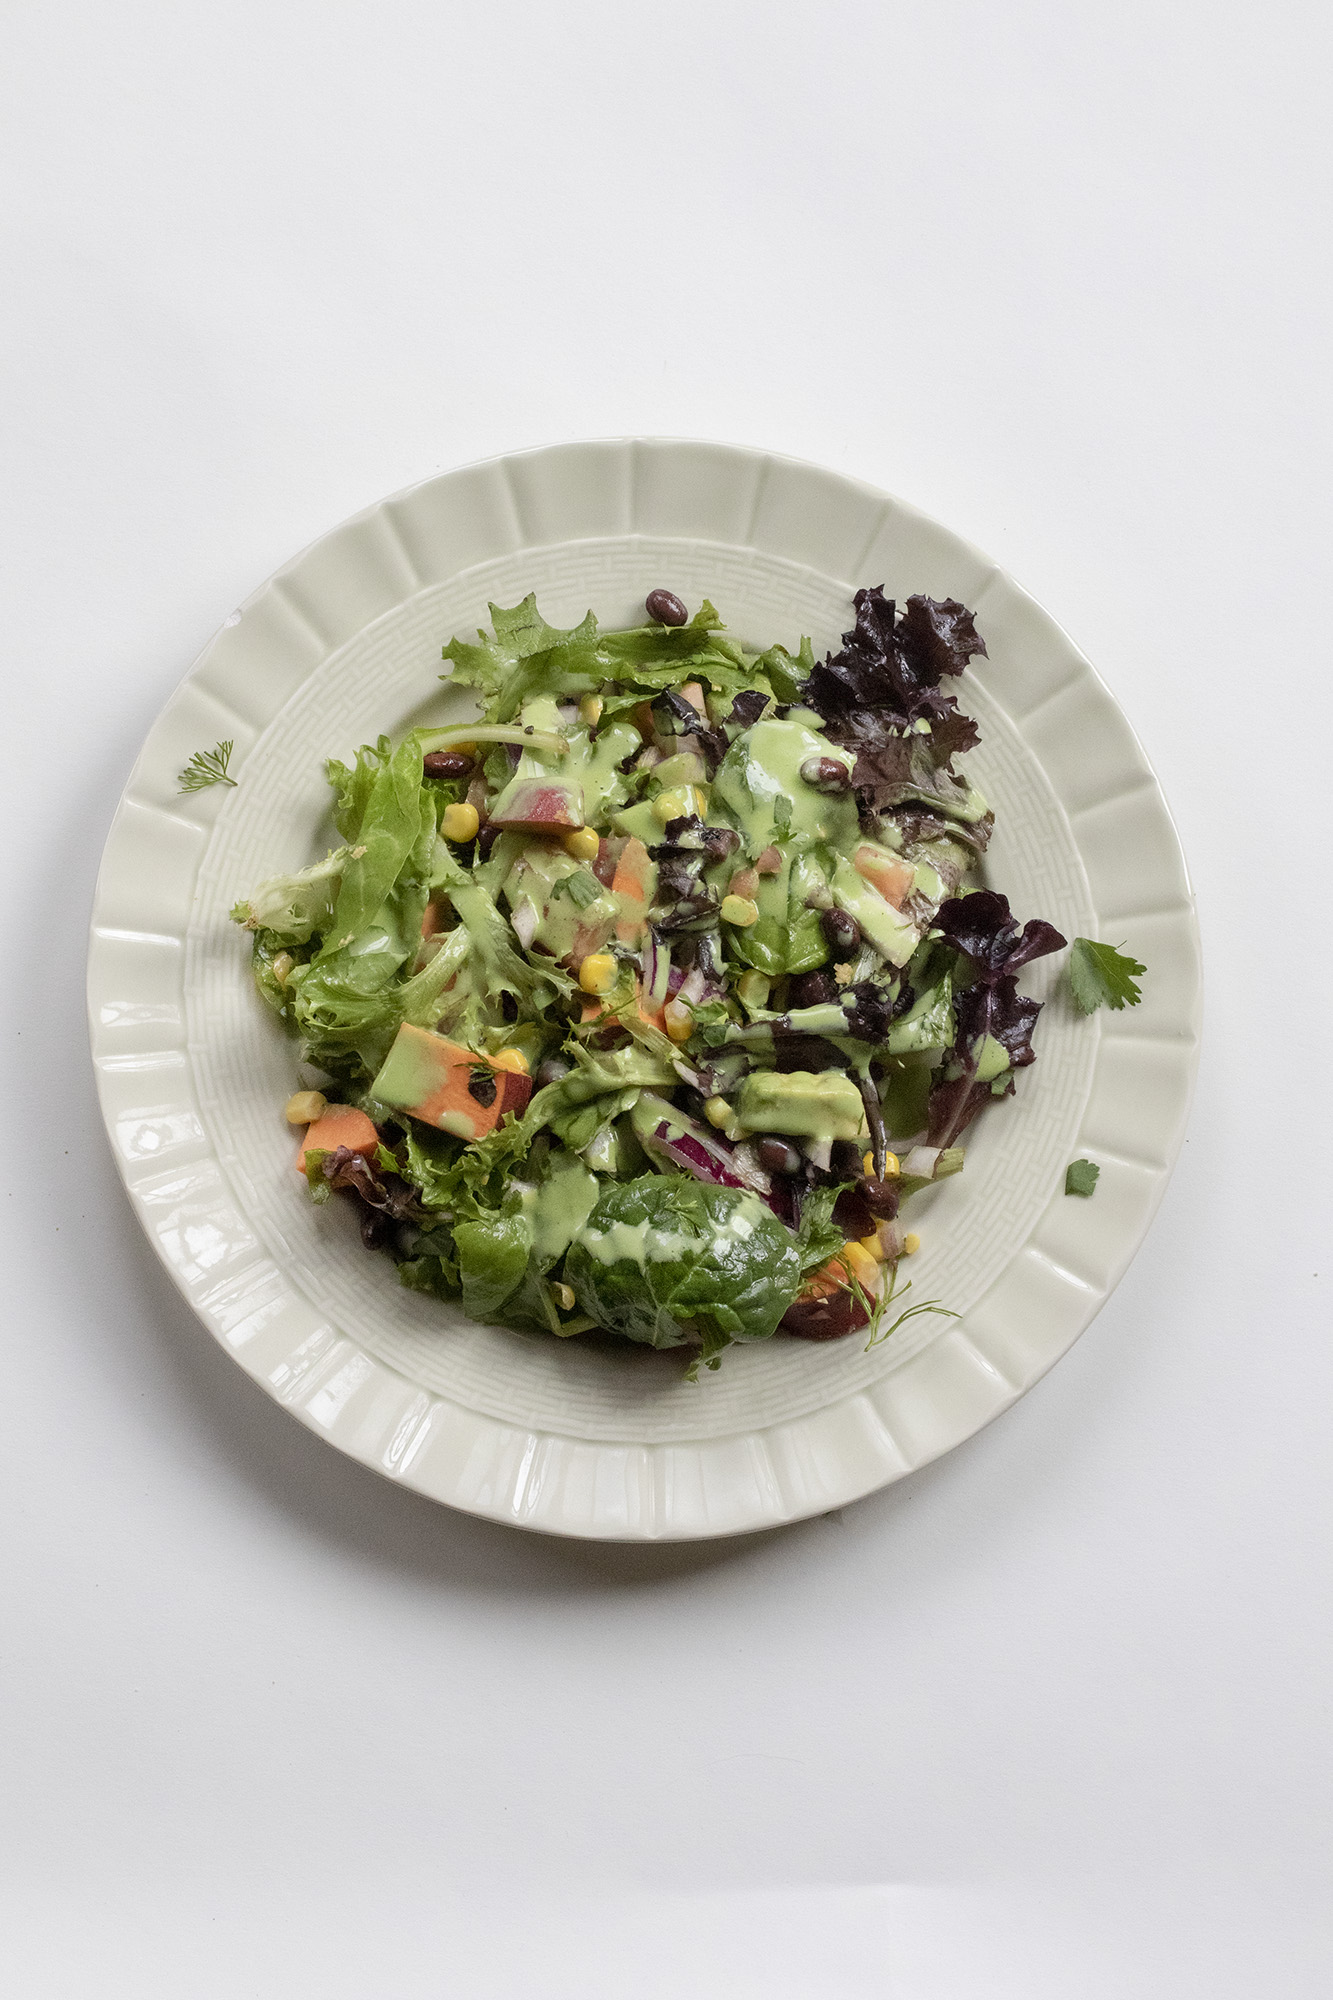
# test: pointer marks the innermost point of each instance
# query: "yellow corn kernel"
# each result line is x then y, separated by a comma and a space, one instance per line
564, 1296
597, 974
891, 1167
753, 988
740, 910
511, 1059
678, 803
718, 1112
862, 1266
282, 966
911, 1243
583, 843
679, 1020
305, 1107
590, 710
872, 1246
460, 822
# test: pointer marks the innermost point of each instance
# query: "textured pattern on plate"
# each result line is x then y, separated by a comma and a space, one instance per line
344, 643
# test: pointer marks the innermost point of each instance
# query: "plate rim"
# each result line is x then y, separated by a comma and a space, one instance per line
733, 1495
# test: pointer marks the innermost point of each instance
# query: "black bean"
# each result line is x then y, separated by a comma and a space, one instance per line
826, 774
825, 1317
842, 931
447, 764
778, 1156
665, 607
880, 1197
845, 1159
720, 841
551, 1070
812, 989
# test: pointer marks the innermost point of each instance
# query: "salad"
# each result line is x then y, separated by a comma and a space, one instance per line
643, 1003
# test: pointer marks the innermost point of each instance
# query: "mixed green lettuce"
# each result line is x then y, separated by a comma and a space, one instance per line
634, 982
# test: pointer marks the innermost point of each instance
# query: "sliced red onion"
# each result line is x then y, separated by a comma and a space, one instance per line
706, 1156
921, 1163
692, 987
525, 920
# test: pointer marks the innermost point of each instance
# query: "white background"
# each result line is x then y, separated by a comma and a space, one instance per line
1050, 1718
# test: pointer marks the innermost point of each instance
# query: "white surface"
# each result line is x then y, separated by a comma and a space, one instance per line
1047, 1718
343, 644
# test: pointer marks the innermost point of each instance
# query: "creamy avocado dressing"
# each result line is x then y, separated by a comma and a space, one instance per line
764, 765
558, 1209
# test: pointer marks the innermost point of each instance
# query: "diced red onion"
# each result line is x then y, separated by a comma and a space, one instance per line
921, 1162
525, 920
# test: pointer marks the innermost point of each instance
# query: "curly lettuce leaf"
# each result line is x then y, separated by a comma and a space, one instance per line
345, 1030
397, 828
526, 657
494, 966
295, 908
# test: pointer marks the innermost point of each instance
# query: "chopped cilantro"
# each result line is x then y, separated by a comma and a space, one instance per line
1101, 976
1081, 1177
581, 887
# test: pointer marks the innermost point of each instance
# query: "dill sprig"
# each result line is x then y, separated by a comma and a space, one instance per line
207, 767
878, 1308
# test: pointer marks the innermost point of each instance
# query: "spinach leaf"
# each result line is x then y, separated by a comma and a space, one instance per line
673, 1263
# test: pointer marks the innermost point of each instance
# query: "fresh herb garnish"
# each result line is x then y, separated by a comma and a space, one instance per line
1081, 1177
782, 814
878, 1308
581, 887
207, 767
1101, 976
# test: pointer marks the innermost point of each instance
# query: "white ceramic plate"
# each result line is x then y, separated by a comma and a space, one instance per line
345, 643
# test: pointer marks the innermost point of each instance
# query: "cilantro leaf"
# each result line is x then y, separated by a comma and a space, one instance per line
1101, 976
782, 809
1081, 1177
582, 888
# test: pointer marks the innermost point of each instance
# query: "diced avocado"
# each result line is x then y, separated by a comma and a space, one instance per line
887, 929
682, 769
641, 822
823, 1105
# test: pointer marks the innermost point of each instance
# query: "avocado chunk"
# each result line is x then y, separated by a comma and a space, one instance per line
826, 1105
891, 933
